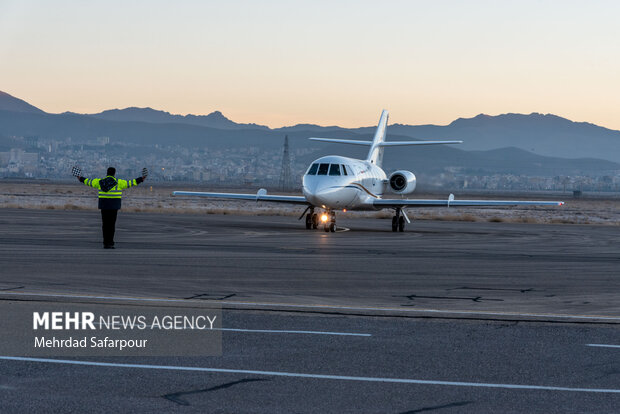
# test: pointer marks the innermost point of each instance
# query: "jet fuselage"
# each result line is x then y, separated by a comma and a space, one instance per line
335, 182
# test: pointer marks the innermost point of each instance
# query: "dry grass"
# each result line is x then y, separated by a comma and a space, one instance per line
526, 219
455, 217
564, 221
68, 196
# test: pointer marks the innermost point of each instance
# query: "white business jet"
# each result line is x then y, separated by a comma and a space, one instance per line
334, 183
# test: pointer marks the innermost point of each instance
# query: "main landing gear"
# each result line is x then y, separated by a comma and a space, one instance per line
398, 221
328, 219
312, 220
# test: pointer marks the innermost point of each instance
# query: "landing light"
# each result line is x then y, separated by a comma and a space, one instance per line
324, 218
344, 210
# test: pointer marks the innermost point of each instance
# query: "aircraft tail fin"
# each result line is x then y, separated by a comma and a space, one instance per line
375, 154
377, 145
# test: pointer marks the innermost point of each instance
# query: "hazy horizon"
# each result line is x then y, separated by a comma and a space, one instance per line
279, 63
371, 125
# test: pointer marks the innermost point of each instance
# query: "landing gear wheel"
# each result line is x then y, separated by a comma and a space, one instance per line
332, 227
308, 221
315, 221
326, 228
401, 224
394, 223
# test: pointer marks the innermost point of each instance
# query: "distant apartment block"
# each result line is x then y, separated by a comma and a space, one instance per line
17, 161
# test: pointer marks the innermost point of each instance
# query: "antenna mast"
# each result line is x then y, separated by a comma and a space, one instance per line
285, 174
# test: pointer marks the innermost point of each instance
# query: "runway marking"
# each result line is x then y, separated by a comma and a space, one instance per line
284, 331
314, 376
320, 306
603, 345
293, 332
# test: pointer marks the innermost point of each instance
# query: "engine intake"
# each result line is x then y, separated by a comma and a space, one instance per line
402, 182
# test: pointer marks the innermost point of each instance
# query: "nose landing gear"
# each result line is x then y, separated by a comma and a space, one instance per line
330, 223
312, 220
398, 221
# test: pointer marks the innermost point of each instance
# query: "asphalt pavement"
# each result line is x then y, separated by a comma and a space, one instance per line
446, 317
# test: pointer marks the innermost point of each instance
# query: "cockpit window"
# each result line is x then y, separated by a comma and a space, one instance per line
334, 169
323, 169
344, 170
312, 170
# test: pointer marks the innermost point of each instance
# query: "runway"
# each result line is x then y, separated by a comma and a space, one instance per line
446, 317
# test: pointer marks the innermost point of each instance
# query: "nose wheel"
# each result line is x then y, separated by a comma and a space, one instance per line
330, 224
398, 221
328, 219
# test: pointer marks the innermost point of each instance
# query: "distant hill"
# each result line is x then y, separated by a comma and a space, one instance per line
428, 159
213, 120
437, 158
532, 144
11, 103
548, 135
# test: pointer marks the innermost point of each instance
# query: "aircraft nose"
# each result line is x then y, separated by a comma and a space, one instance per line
326, 195
311, 186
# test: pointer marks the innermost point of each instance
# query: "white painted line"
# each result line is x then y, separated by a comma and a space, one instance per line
320, 306
276, 331
63, 295
422, 310
292, 332
604, 345
314, 376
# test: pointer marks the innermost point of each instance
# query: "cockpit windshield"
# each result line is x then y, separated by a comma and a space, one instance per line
313, 168
323, 169
327, 169
334, 169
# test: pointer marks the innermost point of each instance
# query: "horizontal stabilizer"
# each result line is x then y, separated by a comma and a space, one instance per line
399, 143
384, 144
342, 141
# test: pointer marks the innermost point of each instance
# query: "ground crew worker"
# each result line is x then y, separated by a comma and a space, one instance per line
110, 192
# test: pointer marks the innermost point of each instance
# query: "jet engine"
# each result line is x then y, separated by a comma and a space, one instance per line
402, 182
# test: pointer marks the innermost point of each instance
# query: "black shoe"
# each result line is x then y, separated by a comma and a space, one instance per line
108, 246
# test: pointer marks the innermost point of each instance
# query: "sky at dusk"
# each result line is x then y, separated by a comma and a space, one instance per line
327, 62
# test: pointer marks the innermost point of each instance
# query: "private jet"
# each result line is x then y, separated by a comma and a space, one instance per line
334, 183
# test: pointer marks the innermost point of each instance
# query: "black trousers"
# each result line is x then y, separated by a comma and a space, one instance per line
108, 221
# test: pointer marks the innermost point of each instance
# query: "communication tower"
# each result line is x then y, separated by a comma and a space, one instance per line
285, 174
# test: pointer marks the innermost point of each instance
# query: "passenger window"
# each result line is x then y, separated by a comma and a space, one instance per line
323, 169
312, 170
334, 169
344, 170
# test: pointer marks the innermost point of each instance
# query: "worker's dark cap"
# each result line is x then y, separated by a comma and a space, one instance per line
111, 171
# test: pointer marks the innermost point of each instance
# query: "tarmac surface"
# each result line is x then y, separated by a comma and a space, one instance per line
446, 317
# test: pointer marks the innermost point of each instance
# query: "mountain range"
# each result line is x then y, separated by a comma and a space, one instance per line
510, 143
213, 120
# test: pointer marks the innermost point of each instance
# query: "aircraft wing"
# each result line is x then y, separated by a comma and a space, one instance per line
451, 202
261, 195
